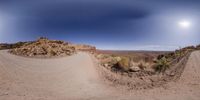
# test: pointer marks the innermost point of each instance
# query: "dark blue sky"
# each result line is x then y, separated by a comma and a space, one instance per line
107, 24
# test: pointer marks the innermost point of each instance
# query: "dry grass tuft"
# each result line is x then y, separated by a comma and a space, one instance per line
124, 64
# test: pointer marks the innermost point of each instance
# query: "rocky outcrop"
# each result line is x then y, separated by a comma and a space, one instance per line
44, 47
135, 69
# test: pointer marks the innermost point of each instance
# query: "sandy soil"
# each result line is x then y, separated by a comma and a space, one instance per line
76, 78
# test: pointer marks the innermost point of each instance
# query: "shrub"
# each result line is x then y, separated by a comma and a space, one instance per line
189, 48
178, 53
161, 65
160, 56
171, 55
117, 59
124, 64
103, 56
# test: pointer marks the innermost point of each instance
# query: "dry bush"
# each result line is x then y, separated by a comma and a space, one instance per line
124, 64
161, 65
102, 56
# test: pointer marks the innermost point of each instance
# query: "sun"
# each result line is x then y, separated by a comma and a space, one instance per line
184, 24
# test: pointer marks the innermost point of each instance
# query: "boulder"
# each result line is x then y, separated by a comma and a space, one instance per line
105, 65
134, 69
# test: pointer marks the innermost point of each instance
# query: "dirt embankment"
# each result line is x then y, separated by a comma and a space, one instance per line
180, 82
144, 79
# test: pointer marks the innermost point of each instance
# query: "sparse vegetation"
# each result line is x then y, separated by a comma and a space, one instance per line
163, 61
160, 62
125, 62
162, 65
146, 61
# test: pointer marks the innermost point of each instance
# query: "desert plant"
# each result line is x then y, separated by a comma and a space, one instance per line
161, 65
124, 64
116, 59
179, 53
160, 56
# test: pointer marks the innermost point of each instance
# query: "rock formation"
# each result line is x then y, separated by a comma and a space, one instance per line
44, 47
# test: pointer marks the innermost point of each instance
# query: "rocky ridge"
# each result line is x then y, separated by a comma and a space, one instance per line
44, 47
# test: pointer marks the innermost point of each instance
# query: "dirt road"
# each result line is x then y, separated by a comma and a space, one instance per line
64, 78
75, 78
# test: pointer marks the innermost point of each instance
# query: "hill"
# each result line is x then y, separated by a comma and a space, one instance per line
43, 47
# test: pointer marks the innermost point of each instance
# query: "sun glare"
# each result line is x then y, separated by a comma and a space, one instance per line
184, 24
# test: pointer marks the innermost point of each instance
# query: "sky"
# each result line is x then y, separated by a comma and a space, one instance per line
106, 24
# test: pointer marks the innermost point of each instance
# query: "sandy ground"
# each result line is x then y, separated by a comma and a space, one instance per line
76, 78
